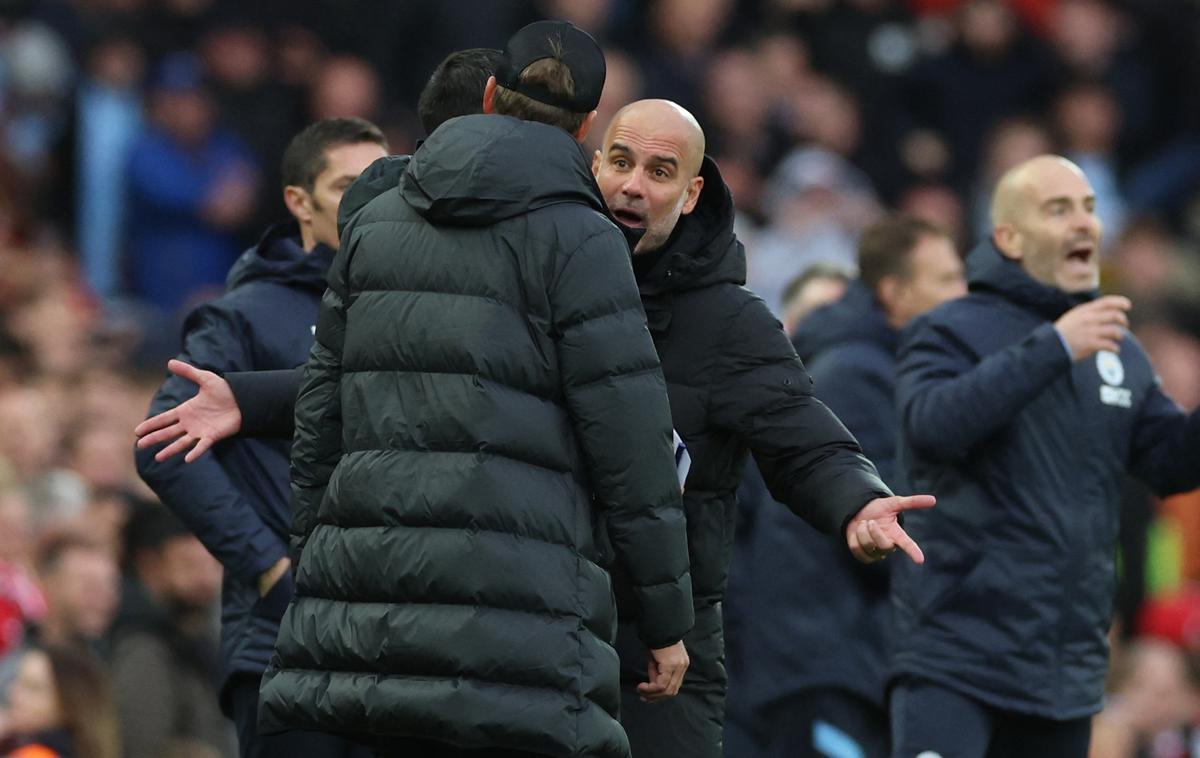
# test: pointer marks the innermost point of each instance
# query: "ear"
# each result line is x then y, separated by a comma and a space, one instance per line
299, 203
1008, 241
693, 194
582, 133
887, 292
596, 158
489, 96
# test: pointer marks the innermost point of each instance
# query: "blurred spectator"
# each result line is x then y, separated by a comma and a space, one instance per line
192, 186
345, 87
108, 119
939, 205
80, 580
1087, 119
818, 202
1091, 39
1012, 141
1143, 261
622, 85
164, 647
252, 103
1154, 711
683, 35
21, 600
60, 707
820, 285
993, 70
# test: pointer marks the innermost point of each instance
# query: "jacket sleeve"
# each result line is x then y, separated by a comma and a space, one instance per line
950, 402
761, 392
202, 493
1165, 453
267, 400
617, 399
317, 444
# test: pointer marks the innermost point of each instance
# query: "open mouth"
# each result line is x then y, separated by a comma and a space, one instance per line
628, 218
1082, 253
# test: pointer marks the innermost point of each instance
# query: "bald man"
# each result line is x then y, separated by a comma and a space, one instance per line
736, 387
1022, 407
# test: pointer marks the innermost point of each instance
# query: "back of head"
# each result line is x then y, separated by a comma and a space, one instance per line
304, 159
456, 86
551, 72
884, 247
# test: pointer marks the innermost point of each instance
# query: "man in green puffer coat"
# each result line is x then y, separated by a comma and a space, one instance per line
482, 392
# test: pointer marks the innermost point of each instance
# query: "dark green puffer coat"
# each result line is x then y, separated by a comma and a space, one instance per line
483, 391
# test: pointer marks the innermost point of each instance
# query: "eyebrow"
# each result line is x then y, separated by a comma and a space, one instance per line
666, 159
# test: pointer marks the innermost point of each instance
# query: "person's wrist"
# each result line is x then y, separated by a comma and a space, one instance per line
272, 575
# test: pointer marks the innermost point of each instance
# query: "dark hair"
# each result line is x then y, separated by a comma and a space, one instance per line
554, 75
85, 701
456, 86
813, 272
884, 247
150, 527
57, 544
304, 158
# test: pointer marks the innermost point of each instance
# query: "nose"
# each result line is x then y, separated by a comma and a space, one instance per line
633, 185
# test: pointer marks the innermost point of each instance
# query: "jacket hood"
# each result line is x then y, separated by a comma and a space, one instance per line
988, 270
479, 169
381, 176
854, 318
279, 257
702, 250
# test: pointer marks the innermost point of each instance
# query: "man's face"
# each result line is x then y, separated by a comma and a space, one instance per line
343, 164
645, 173
192, 577
83, 591
1057, 233
935, 275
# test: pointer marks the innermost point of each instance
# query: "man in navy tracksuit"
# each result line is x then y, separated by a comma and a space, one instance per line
811, 682
237, 500
1022, 407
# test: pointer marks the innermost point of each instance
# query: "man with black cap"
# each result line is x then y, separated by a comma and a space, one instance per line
482, 393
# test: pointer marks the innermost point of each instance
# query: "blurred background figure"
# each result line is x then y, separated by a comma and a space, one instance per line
164, 642
59, 706
192, 188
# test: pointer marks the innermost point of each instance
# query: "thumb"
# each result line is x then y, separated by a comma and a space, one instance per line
186, 371
914, 502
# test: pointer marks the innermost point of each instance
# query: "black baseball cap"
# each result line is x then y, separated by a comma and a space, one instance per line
548, 39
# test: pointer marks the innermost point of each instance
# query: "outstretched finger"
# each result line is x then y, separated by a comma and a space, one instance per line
906, 543
178, 446
186, 371
200, 449
154, 423
162, 435
916, 502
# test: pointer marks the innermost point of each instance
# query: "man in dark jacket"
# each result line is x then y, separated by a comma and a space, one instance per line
736, 387
814, 676
1022, 406
263, 403
481, 391
236, 501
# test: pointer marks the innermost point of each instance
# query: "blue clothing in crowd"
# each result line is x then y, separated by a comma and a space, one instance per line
173, 250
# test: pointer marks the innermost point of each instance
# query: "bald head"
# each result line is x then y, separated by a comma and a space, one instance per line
1044, 217
649, 168
1018, 190
666, 120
